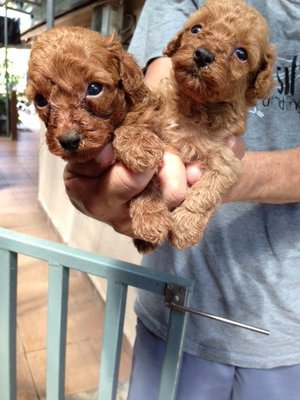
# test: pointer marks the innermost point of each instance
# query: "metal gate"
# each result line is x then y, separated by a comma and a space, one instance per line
119, 276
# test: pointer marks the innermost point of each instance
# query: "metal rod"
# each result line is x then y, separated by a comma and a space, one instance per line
50, 14
173, 355
112, 339
34, 3
19, 10
6, 69
8, 321
58, 292
221, 319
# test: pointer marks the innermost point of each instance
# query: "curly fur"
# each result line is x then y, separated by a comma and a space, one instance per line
63, 63
193, 113
203, 105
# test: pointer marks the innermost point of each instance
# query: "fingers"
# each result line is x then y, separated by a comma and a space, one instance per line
118, 187
104, 191
123, 184
105, 194
92, 168
194, 171
173, 181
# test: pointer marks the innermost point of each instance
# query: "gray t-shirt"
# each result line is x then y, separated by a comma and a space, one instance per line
247, 266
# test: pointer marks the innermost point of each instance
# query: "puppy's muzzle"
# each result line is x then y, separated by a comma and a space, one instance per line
70, 141
202, 57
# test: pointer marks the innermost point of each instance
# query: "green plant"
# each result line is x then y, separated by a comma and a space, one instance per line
8, 82
12, 80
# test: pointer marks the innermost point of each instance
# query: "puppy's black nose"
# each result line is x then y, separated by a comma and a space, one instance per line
203, 57
70, 141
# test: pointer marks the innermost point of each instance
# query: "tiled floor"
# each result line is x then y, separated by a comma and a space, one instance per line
19, 210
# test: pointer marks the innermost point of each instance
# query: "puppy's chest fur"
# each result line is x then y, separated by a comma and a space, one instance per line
197, 131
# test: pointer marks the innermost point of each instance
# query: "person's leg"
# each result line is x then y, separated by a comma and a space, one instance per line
204, 380
199, 379
147, 359
281, 383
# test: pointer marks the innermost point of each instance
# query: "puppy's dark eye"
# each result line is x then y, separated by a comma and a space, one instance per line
196, 29
94, 89
40, 101
241, 54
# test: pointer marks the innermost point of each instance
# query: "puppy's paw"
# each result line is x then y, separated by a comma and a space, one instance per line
152, 227
187, 228
150, 218
138, 148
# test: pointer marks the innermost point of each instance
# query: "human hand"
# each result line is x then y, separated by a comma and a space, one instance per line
103, 189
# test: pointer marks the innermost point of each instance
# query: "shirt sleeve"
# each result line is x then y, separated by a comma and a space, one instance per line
159, 21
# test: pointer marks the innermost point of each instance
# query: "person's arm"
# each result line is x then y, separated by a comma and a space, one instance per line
268, 177
157, 70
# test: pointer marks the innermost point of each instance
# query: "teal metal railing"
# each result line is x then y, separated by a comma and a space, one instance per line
119, 276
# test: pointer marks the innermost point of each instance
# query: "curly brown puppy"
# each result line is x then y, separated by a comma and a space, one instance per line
222, 64
89, 91
84, 87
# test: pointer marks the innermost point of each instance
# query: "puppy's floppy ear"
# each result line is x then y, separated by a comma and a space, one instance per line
131, 75
132, 78
173, 45
263, 82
